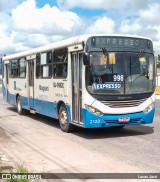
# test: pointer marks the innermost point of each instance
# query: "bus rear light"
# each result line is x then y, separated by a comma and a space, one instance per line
94, 110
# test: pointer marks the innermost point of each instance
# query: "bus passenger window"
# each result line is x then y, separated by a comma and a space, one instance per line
60, 63
46, 71
60, 70
37, 65
22, 68
14, 68
44, 65
54, 70
64, 70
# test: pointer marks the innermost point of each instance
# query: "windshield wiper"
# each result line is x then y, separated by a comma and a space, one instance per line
104, 50
136, 58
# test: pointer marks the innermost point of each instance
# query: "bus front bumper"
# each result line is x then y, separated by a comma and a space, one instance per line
112, 120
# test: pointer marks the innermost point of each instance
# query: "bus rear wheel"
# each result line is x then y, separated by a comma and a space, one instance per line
63, 119
20, 110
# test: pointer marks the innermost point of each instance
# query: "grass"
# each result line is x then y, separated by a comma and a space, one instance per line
21, 169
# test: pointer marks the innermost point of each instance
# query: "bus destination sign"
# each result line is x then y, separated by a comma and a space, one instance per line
115, 42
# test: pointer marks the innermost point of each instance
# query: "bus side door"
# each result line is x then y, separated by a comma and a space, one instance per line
76, 72
30, 81
6, 79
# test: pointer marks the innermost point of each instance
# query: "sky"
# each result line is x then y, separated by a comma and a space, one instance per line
26, 24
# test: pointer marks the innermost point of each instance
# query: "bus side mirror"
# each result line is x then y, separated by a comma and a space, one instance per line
86, 59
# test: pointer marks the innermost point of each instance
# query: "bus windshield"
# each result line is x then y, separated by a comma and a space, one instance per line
119, 73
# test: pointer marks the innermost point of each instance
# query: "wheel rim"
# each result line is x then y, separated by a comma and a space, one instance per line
18, 104
63, 117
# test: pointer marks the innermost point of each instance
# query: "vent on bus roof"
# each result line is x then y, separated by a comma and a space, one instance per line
120, 104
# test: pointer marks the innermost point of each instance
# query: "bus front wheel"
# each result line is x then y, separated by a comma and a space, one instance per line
20, 110
63, 119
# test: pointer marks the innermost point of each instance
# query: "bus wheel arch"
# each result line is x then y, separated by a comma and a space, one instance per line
63, 118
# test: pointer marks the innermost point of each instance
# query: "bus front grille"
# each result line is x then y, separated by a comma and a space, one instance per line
121, 104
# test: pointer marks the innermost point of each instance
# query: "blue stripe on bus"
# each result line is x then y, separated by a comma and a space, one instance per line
90, 120
42, 107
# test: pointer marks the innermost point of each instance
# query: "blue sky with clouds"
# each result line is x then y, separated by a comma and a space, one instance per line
25, 24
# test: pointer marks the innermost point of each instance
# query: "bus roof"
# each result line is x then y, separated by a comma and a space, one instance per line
63, 43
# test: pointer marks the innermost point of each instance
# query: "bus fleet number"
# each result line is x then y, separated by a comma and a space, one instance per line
94, 121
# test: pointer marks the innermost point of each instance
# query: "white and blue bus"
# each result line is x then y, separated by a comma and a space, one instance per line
92, 81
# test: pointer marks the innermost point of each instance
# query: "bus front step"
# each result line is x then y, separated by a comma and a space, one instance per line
32, 111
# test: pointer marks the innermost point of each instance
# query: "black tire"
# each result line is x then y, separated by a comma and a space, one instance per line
63, 119
119, 127
20, 110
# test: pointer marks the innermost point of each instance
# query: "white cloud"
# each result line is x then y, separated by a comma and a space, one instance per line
6, 5
129, 26
146, 23
91, 4
104, 4
6, 45
34, 26
151, 15
101, 25
23, 25
47, 20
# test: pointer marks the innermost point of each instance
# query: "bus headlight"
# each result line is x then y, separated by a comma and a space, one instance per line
93, 110
149, 108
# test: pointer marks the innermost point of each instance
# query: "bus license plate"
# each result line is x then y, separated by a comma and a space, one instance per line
123, 120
